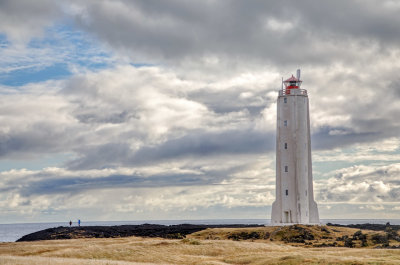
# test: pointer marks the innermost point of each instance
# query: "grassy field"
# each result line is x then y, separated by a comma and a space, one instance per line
211, 246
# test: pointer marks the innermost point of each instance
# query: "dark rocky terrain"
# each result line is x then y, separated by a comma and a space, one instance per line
368, 226
145, 230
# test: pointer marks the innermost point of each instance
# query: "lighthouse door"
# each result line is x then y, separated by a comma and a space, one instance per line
286, 217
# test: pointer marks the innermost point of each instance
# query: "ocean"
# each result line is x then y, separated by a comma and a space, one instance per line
12, 232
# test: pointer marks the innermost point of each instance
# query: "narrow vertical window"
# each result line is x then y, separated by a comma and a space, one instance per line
284, 100
286, 168
287, 192
285, 145
285, 122
306, 192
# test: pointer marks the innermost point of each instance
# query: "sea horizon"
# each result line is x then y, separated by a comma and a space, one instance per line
10, 232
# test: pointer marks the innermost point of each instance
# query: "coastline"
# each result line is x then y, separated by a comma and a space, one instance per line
13, 231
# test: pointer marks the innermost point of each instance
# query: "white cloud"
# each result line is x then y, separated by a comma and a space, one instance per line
361, 184
338, 132
279, 26
375, 207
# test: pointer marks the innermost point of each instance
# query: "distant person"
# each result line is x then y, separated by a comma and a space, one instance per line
70, 223
79, 222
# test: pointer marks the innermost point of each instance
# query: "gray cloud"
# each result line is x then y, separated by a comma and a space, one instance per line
38, 139
205, 144
368, 20
22, 20
234, 99
289, 32
195, 144
77, 184
328, 138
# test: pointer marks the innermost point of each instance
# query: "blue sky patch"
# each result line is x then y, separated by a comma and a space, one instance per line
51, 57
53, 160
31, 75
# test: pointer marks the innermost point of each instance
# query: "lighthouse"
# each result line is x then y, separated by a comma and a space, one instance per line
294, 182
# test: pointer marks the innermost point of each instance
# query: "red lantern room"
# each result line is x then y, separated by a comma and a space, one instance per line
292, 83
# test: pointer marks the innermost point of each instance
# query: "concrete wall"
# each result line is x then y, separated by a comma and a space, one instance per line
294, 188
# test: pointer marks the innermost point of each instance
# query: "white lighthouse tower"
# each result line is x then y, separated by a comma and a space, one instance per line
294, 182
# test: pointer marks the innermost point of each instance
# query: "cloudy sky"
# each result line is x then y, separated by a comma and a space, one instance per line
138, 110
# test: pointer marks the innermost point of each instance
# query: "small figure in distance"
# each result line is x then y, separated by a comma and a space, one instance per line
79, 222
70, 223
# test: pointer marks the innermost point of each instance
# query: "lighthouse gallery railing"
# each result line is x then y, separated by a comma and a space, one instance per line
295, 91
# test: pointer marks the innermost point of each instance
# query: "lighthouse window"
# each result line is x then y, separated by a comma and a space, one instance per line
285, 145
285, 122
286, 168
284, 100
306, 192
287, 192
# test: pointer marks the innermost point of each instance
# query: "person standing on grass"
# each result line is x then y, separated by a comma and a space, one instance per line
70, 223
79, 222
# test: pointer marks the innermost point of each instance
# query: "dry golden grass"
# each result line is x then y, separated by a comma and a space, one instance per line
193, 250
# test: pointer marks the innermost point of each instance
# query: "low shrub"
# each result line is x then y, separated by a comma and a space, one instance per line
348, 242
248, 235
190, 241
174, 236
297, 234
